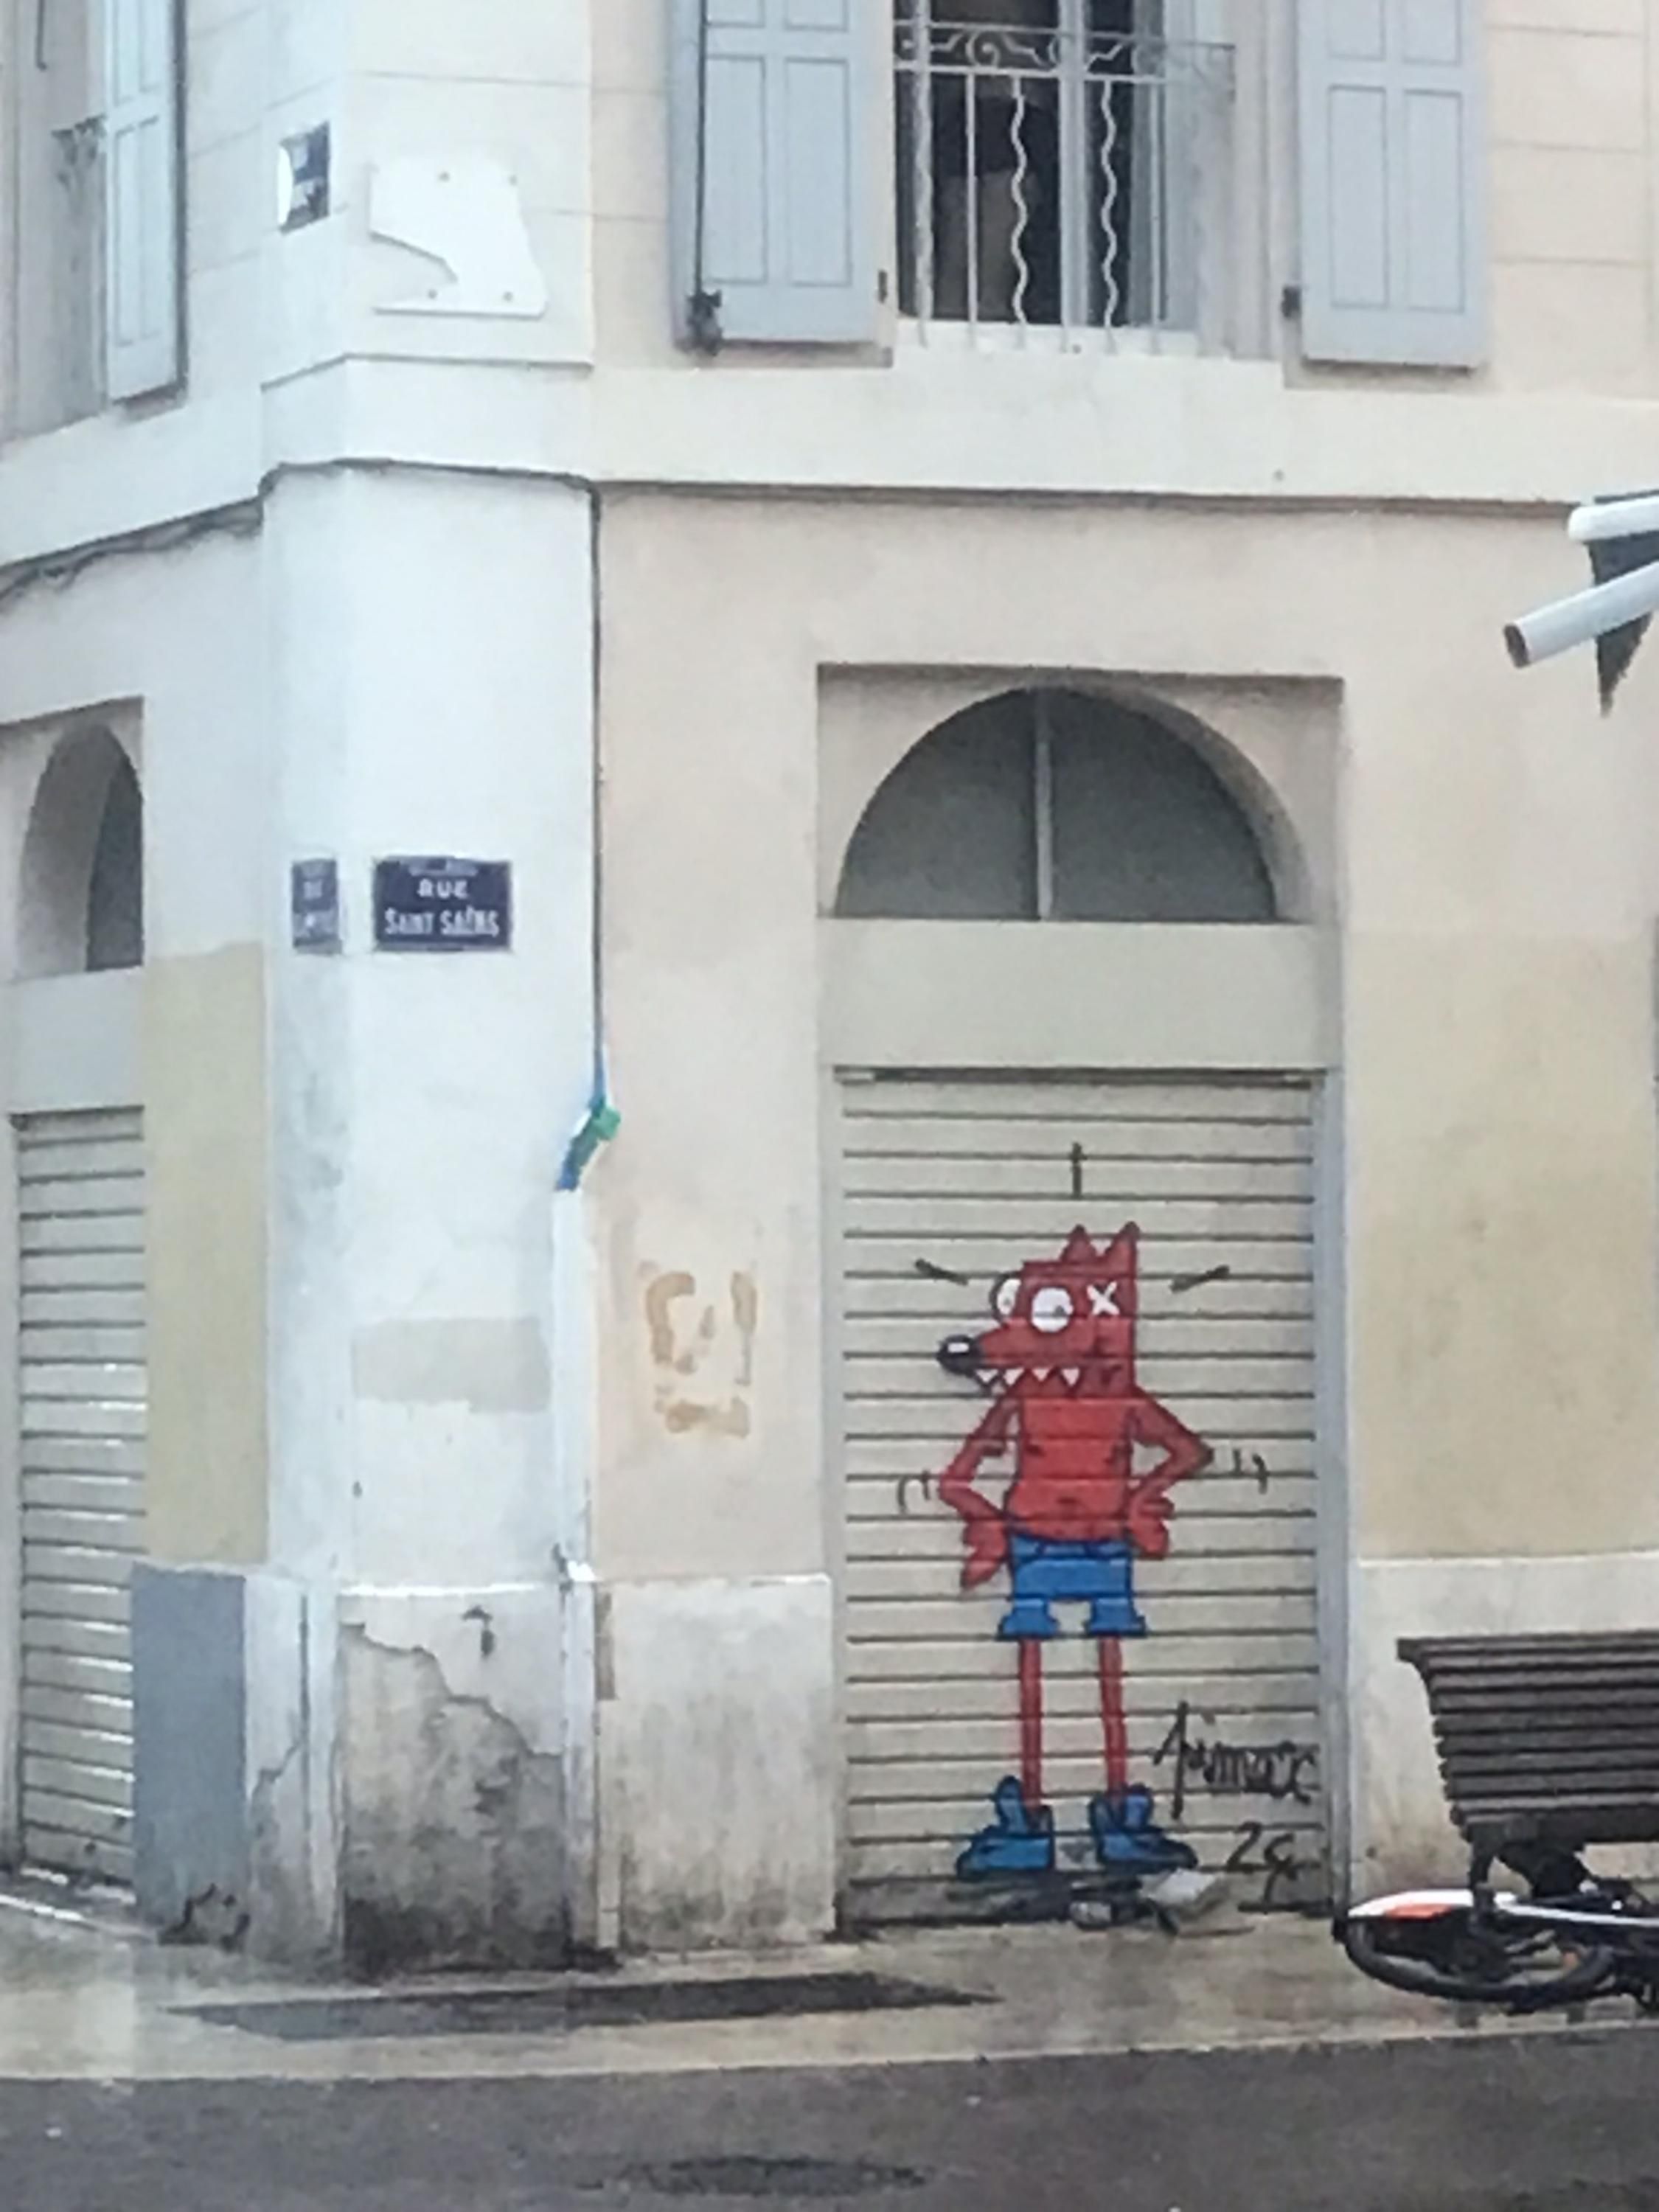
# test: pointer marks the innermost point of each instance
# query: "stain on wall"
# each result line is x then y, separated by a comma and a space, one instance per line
703, 1351
487, 1366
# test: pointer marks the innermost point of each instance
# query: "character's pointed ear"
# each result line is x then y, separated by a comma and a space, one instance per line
1079, 1250
1120, 1259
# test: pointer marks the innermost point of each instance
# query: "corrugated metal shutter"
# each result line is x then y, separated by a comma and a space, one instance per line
977, 1178
81, 1206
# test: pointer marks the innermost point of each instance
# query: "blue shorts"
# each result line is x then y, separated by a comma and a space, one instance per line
1100, 1576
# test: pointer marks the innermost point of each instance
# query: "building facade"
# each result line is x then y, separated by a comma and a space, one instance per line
930, 578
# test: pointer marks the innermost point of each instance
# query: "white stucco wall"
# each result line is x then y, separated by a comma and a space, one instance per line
428, 655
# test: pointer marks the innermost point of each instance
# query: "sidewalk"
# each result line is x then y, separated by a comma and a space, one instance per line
100, 2001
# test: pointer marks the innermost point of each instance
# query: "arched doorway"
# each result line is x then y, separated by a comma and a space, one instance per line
81, 1274
1077, 1447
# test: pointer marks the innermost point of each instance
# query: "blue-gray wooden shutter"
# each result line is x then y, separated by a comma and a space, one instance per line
773, 116
1394, 182
143, 245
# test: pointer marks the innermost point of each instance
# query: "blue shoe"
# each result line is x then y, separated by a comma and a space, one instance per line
1128, 1841
1020, 1841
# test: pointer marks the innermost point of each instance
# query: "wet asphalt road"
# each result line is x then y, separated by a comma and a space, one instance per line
1569, 2124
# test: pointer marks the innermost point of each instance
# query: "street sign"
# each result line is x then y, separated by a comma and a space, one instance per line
314, 905
443, 906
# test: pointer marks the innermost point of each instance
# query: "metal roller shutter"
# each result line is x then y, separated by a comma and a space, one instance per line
975, 1179
80, 1209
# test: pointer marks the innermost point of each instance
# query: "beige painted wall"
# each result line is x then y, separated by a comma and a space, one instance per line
1496, 875
167, 636
1573, 110
205, 1096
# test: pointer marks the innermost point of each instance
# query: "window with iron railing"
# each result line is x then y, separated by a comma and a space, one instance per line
90, 131
1212, 176
1061, 163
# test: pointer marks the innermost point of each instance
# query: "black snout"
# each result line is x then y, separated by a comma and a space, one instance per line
960, 1355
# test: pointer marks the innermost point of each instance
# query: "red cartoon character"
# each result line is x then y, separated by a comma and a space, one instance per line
1060, 1363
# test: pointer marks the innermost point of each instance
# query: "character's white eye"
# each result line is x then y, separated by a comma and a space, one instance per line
1103, 1301
1006, 1298
1052, 1310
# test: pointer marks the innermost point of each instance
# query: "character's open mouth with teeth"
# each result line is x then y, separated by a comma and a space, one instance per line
1060, 1363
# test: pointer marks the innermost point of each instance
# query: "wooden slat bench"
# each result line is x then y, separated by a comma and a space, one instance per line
1546, 1744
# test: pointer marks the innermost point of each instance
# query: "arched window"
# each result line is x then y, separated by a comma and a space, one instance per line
82, 888
1054, 805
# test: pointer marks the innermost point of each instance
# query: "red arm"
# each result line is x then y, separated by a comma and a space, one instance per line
986, 1532
1150, 1507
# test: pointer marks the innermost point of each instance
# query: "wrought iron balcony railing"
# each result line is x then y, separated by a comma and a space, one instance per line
1062, 173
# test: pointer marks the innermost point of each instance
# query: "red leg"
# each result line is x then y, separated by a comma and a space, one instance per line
1111, 1717
1030, 1721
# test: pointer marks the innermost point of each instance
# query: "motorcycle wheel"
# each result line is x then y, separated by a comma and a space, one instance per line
1453, 1958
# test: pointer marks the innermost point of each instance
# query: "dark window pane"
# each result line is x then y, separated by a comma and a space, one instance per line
949, 836
1144, 829
115, 905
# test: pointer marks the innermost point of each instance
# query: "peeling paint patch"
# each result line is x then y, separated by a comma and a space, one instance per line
691, 1340
487, 1366
452, 1851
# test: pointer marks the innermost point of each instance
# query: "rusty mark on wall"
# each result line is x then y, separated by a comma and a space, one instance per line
662, 1294
690, 1341
745, 1309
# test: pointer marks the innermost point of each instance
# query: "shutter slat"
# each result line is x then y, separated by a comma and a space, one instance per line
58, 1670
1041, 1176
83, 1493
68, 1194
92, 1710
1269, 1423
64, 1563
100, 1456
109, 1788
890, 1377
872, 1461
883, 1541
78, 1817
51, 1740
1251, 1705
1103, 1138
103, 1862
1174, 1659
74, 1633
1213, 1829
